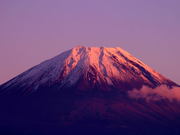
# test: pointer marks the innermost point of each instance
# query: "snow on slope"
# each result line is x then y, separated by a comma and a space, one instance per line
96, 65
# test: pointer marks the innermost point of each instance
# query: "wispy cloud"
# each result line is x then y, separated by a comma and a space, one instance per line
159, 93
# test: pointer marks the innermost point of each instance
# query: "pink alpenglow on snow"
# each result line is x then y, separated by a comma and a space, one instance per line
90, 68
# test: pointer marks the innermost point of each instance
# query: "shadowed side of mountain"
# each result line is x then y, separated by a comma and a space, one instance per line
69, 112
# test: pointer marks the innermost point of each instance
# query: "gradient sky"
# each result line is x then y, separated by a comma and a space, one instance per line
34, 30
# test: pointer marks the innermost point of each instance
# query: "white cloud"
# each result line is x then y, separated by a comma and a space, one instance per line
159, 93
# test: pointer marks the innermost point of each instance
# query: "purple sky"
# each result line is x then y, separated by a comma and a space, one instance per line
34, 30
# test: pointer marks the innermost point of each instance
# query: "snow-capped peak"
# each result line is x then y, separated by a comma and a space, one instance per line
89, 67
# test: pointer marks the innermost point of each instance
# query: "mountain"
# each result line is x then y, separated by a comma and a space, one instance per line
89, 68
85, 90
